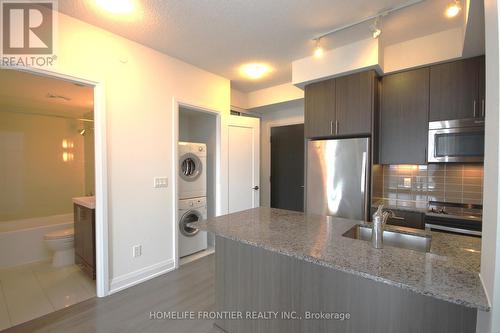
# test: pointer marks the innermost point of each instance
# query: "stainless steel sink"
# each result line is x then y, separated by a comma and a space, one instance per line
403, 239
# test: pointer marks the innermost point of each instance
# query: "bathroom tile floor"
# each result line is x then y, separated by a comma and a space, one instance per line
33, 290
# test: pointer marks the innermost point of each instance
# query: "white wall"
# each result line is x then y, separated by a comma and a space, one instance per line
490, 251
239, 100
140, 86
374, 53
355, 57
35, 180
273, 95
437, 47
276, 115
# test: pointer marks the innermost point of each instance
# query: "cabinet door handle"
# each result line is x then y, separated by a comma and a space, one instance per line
336, 127
482, 108
474, 107
331, 127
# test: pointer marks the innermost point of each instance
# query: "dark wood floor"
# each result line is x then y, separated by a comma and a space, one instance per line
190, 288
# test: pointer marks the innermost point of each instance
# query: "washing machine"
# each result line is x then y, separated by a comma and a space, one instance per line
191, 240
192, 170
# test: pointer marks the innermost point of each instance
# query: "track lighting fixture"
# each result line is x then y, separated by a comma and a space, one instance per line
376, 32
318, 50
375, 29
453, 9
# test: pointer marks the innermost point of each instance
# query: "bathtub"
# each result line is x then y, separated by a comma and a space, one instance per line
21, 241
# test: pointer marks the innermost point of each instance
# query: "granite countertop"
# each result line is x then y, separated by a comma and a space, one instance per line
449, 272
88, 202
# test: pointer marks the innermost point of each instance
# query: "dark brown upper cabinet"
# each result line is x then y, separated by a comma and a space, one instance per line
319, 109
341, 107
404, 117
354, 103
457, 90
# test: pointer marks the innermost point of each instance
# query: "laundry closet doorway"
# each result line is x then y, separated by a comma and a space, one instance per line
198, 129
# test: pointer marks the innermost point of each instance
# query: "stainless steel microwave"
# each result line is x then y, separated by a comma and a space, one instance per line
456, 141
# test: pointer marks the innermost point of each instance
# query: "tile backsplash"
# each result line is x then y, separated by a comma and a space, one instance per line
415, 185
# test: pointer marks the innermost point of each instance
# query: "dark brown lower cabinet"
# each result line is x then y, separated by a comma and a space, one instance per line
408, 219
405, 218
85, 239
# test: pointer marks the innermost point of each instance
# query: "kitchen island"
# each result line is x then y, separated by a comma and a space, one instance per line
293, 266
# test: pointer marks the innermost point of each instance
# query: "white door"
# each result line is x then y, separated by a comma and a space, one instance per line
243, 163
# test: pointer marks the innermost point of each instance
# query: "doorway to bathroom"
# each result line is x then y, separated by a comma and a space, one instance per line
47, 195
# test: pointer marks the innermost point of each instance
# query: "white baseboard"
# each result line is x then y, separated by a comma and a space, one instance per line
131, 279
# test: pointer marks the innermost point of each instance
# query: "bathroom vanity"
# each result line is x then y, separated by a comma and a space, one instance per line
84, 217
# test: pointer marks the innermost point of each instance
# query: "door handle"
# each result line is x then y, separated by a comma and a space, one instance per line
256, 188
482, 108
331, 126
336, 127
474, 108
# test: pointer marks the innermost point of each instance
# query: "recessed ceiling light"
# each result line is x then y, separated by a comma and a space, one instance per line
117, 6
453, 9
255, 70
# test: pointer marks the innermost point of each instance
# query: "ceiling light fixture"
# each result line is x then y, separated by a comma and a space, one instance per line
254, 70
318, 50
376, 32
453, 9
117, 6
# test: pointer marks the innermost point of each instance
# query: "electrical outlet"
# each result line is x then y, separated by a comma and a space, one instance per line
160, 182
136, 251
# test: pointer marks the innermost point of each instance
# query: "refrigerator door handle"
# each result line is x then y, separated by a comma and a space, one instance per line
363, 173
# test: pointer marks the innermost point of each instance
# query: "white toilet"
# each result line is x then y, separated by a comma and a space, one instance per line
61, 242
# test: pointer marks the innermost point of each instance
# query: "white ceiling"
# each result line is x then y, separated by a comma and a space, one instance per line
27, 93
219, 35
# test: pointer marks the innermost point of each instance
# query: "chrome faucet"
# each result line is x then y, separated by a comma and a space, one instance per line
379, 219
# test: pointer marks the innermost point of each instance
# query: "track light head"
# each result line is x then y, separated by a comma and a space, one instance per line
318, 50
453, 9
376, 32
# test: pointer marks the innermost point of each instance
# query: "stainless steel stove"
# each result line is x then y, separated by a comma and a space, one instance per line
454, 218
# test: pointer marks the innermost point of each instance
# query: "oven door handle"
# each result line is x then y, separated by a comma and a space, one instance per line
457, 230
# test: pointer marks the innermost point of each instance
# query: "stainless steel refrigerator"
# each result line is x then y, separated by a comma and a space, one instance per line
338, 177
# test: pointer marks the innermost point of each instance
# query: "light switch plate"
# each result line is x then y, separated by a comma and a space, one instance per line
407, 182
136, 251
160, 182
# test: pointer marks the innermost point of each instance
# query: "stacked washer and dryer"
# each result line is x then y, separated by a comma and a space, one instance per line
192, 196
